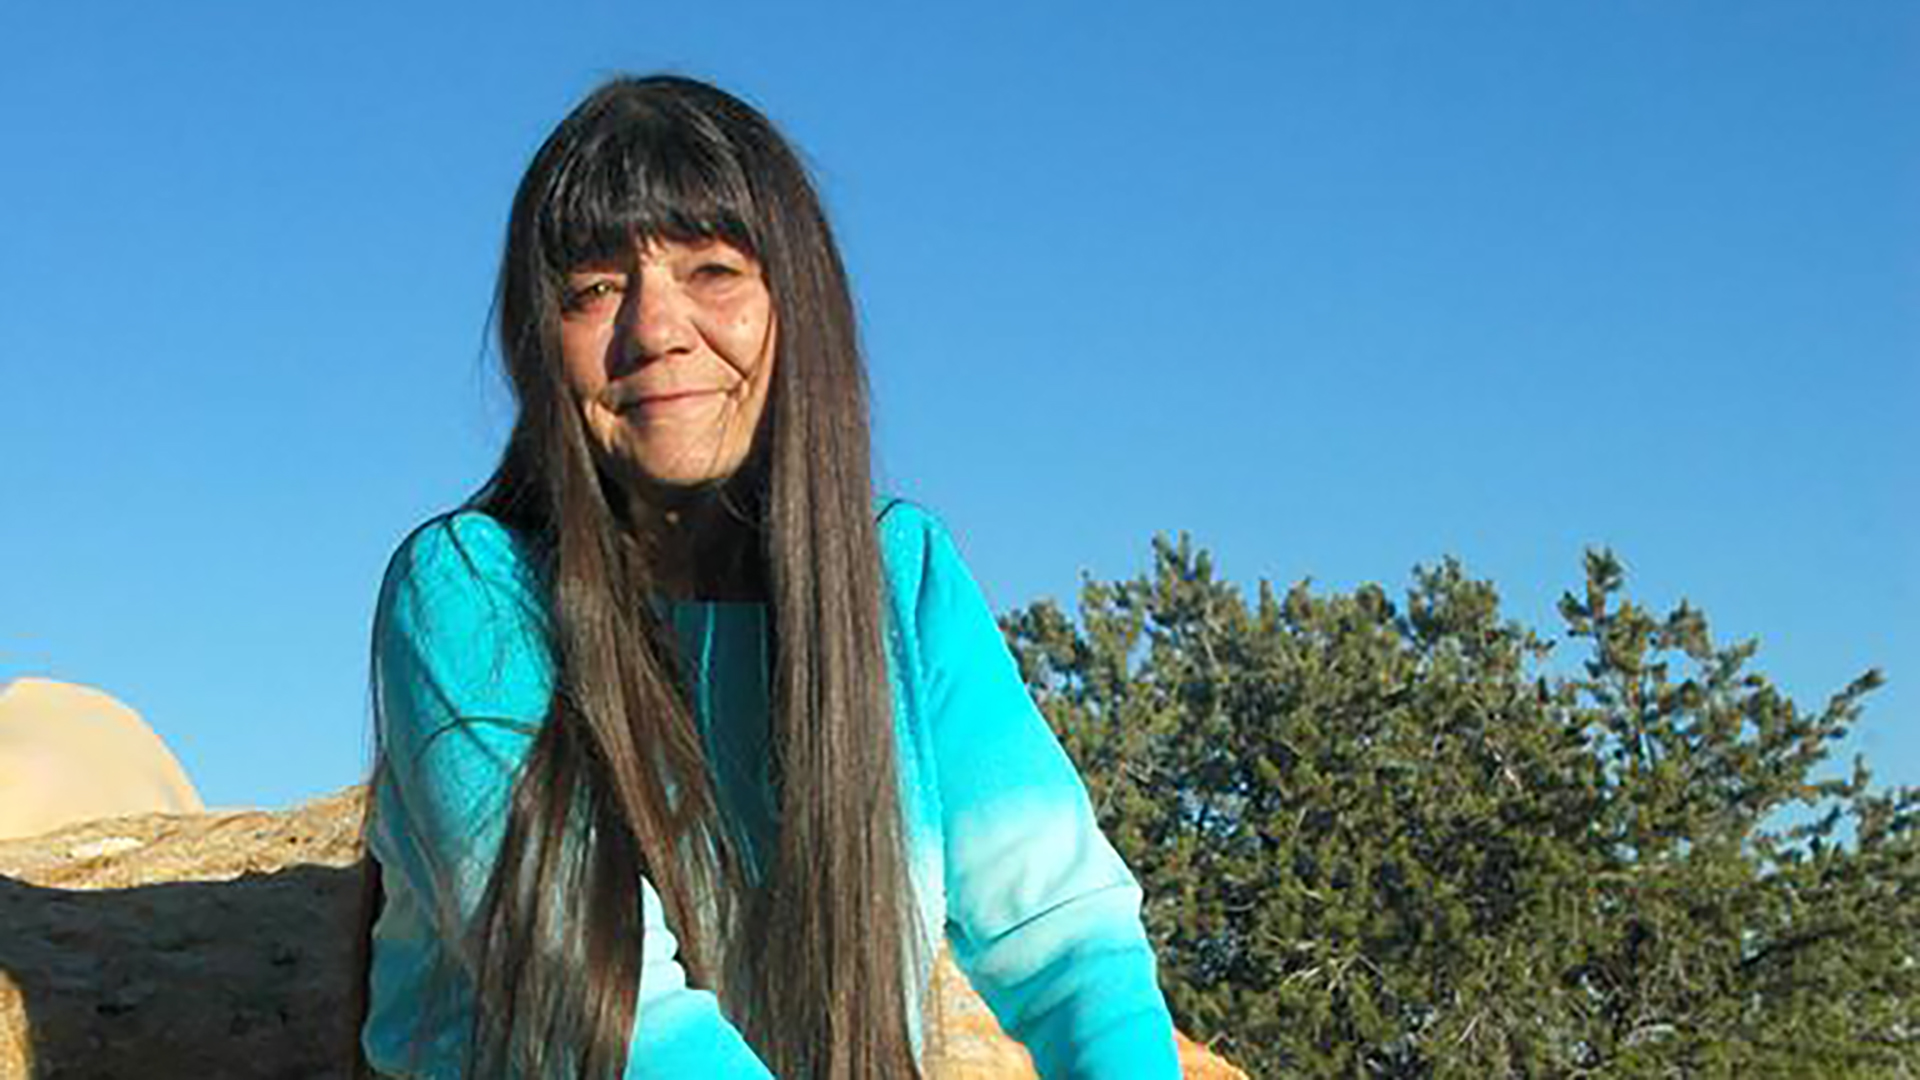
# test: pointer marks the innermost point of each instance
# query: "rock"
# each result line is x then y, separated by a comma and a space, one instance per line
217, 945
969, 1044
72, 754
208, 945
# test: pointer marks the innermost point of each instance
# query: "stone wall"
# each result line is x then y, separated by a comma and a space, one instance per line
216, 945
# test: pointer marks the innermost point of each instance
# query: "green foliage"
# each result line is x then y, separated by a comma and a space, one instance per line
1384, 840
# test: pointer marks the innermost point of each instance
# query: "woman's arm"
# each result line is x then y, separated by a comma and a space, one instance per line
1043, 915
463, 679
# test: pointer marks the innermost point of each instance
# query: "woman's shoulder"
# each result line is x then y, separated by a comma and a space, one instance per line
897, 518
903, 528
465, 535
463, 559
471, 541
915, 545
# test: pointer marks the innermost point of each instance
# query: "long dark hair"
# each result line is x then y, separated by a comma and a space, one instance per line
809, 958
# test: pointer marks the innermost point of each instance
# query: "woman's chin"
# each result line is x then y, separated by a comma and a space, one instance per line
675, 480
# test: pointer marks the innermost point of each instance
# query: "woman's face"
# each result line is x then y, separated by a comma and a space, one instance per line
669, 354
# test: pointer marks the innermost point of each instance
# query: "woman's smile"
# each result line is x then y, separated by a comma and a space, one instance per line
683, 405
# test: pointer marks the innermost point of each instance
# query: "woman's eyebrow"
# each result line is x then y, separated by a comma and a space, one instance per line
600, 266
708, 244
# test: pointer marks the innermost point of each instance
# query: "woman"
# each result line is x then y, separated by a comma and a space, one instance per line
690, 748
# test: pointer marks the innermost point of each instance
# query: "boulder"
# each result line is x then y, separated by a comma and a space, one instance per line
162, 945
71, 754
969, 1044
217, 945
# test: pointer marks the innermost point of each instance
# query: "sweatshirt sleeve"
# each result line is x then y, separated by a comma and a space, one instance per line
463, 681
1043, 916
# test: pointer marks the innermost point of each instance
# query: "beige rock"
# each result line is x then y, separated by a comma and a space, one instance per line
207, 945
71, 754
217, 945
971, 1046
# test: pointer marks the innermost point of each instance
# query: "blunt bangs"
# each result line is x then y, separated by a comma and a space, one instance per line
627, 176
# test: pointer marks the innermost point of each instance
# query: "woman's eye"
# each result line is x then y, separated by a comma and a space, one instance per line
581, 297
715, 271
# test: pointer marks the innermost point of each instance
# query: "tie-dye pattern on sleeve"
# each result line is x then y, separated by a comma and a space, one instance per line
1043, 915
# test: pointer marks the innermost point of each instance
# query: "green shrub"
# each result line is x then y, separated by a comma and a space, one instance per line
1385, 839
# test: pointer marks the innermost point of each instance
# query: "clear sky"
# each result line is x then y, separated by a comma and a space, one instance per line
1338, 288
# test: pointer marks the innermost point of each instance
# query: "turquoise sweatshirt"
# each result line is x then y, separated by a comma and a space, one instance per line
1006, 861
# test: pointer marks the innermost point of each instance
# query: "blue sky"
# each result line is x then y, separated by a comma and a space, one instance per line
1337, 288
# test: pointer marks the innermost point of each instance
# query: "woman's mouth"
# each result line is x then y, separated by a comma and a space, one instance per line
665, 401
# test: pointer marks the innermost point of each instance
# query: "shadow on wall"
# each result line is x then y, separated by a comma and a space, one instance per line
240, 978
189, 945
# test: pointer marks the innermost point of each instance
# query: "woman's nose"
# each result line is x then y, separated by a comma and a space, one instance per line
660, 324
